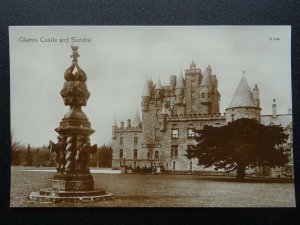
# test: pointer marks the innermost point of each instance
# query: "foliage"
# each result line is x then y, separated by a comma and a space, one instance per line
29, 158
241, 143
15, 153
103, 157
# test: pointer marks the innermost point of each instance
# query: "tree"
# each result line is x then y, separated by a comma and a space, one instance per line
29, 158
105, 156
241, 143
15, 147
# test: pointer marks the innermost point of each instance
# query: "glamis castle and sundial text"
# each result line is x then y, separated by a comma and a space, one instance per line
45, 39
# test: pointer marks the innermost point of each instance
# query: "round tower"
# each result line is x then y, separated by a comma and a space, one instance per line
242, 104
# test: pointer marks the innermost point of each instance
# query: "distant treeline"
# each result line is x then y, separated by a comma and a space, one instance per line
22, 155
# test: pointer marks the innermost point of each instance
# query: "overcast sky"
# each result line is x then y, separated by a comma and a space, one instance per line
118, 59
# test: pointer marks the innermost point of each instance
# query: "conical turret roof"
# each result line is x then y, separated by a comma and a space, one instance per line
115, 123
164, 111
136, 122
180, 81
206, 80
242, 96
146, 90
158, 85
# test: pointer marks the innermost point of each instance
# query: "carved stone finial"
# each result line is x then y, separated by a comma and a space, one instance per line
75, 54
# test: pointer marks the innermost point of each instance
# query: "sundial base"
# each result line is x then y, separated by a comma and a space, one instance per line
71, 187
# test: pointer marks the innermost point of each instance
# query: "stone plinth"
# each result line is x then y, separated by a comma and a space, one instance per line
71, 187
73, 182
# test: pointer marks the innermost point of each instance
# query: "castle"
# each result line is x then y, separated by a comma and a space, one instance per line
171, 113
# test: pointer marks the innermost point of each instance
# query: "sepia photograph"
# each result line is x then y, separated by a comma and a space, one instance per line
151, 116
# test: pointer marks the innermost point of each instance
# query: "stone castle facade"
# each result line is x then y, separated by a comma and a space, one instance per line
171, 113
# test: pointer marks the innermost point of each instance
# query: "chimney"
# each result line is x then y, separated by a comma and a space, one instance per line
274, 108
129, 123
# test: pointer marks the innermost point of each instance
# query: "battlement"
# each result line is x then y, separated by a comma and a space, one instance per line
127, 129
195, 116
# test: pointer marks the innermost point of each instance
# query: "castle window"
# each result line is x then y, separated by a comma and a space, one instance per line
135, 153
135, 140
156, 154
190, 133
121, 140
174, 151
203, 95
175, 133
180, 96
208, 95
121, 153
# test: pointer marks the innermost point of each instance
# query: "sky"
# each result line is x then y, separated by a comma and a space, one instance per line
119, 59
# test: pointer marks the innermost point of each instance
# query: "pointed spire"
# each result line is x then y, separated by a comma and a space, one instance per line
164, 111
146, 90
136, 122
180, 81
242, 96
193, 65
206, 80
115, 123
158, 85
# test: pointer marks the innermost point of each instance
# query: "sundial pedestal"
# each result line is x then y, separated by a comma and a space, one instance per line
73, 180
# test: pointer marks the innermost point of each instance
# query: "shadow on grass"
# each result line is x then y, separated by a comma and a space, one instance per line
248, 179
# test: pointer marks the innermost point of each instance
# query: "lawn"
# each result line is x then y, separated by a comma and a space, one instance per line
149, 190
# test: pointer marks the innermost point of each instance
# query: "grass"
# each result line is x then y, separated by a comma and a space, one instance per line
134, 190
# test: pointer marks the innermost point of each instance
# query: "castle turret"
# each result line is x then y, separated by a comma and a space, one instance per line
172, 84
192, 65
206, 87
136, 122
242, 104
274, 109
158, 89
179, 89
146, 97
114, 130
163, 120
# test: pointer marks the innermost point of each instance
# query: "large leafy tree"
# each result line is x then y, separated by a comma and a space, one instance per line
241, 143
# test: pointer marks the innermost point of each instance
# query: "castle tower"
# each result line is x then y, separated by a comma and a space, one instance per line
242, 104
179, 95
172, 84
146, 96
206, 90
205, 87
